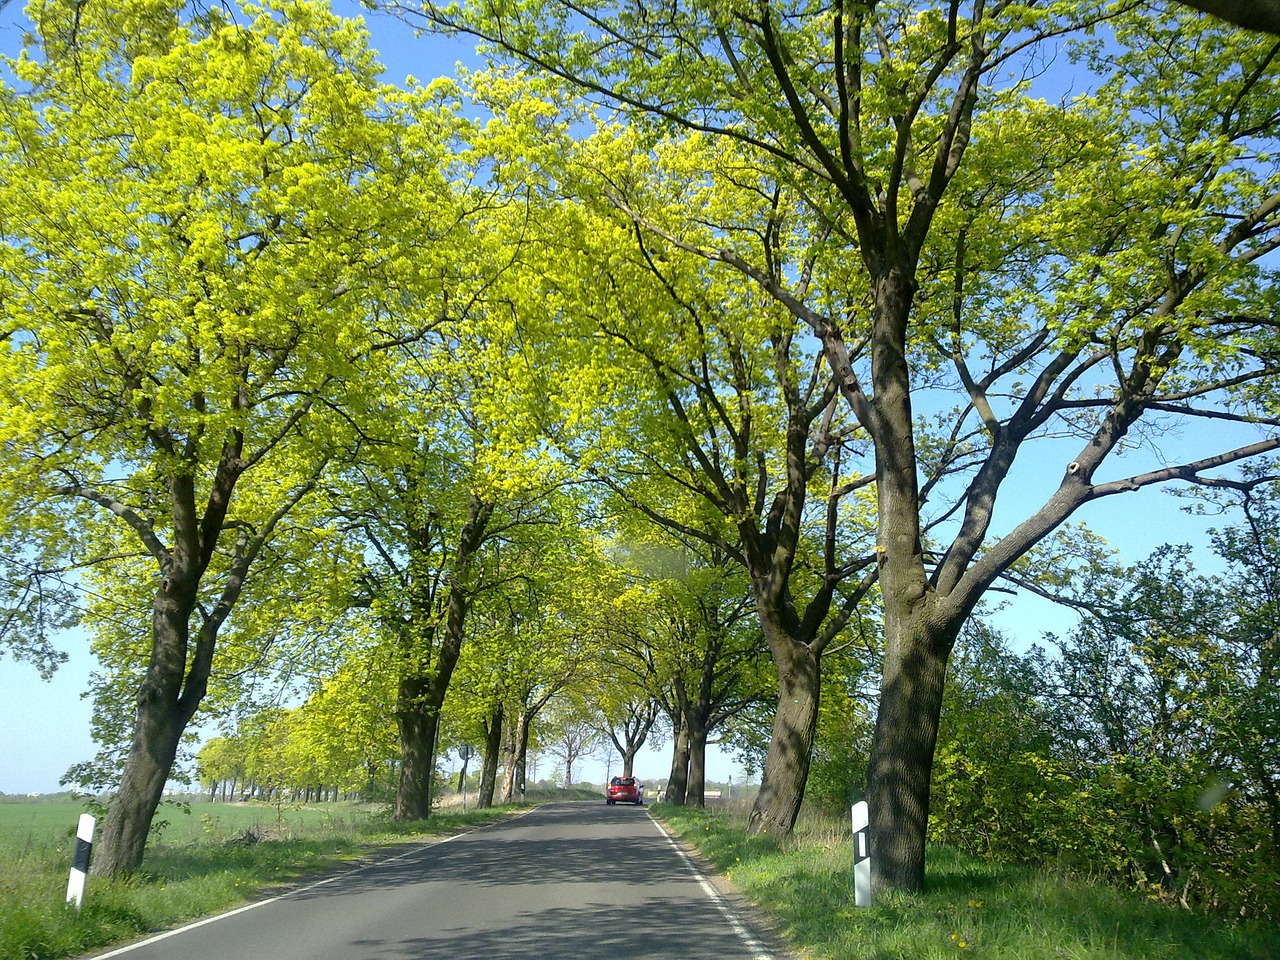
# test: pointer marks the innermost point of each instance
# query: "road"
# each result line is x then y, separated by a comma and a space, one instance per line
569, 881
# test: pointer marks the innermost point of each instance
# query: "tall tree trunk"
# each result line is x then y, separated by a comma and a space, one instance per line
698, 714
916, 644
417, 725
696, 792
522, 757
695, 752
492, 752
508, 762
157, 730
906, 735
513, 781
786, 766
678, 781
167, 700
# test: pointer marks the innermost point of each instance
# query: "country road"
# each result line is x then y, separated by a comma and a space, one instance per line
568, 881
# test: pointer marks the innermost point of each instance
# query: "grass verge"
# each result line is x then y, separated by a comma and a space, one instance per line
971, 908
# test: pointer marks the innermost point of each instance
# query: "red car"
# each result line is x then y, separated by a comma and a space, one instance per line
624, 790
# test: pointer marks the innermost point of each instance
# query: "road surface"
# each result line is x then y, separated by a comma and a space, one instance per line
569, 881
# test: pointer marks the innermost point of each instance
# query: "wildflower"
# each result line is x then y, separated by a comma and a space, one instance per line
975, 903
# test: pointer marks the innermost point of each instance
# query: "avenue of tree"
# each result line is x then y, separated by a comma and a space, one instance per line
672, 373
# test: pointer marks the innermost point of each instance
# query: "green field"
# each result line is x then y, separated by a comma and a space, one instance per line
47, 828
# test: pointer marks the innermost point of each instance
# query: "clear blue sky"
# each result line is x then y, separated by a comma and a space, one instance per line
44, 725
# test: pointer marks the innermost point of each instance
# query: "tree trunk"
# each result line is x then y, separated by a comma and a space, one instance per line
786, 766
508, 762
915, 654
492, 751
426, 684
123, 840
166, 702
518, 744
695, 793
678, 781
418, 724
902, 750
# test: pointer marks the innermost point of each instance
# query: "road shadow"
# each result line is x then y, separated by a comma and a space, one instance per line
655, 928
510, 856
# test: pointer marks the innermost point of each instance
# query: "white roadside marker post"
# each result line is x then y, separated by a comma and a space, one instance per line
80, 860
861, 855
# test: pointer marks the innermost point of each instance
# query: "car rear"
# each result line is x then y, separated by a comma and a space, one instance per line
624, 790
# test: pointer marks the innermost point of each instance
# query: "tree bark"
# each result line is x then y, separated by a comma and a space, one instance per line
492, 754
1260, 15
513, 783
171, 690
786, 766
418, 727
629, 762
902, 751
695, 795
508, 762
122, 843
678, 780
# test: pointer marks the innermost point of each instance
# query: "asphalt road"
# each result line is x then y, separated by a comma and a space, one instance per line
567, 881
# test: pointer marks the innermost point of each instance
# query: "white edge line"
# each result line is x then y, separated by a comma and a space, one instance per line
121, 951
758, 951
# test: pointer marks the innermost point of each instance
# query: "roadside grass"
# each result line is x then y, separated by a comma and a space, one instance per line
208, 859
971, 908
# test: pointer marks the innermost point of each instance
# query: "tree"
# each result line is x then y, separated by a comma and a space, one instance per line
699, 403
443, 531
349, 719
1161, 712
975, 287
191, 300
683, 637
570, 732
220, 763
438, 582
627, 722
481, 690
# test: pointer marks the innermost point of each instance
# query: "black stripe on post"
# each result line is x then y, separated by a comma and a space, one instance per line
861, 845
84, 850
